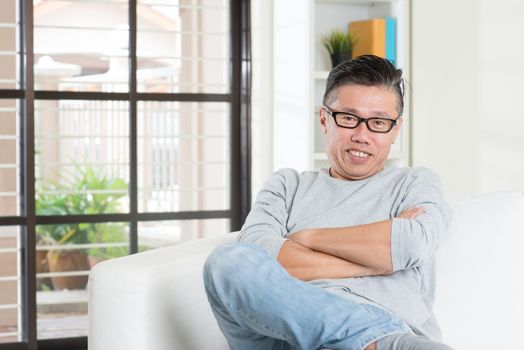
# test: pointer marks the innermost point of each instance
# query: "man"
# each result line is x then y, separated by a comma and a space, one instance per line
341, 258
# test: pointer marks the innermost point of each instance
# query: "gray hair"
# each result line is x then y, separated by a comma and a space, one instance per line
367, 70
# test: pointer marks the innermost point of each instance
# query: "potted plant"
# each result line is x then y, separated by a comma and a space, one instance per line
81, 192
340, 45
108, 233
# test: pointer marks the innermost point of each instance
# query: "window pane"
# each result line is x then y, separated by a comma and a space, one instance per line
9, 160
81, 45
82, 157
156, 234
9, 45
9, 284
183, 46
183, 156
65, 254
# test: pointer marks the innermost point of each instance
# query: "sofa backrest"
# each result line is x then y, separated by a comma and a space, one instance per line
480, 285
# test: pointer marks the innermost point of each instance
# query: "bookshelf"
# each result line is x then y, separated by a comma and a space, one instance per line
301, 66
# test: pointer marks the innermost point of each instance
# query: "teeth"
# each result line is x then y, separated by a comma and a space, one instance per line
359, 154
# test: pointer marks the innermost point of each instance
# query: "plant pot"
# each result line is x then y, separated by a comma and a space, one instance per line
41, 261
42, 266
68, 260
339, 57
93, 260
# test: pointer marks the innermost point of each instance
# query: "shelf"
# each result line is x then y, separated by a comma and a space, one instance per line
319, 19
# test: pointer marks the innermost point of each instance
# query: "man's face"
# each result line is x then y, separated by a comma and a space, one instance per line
359, 153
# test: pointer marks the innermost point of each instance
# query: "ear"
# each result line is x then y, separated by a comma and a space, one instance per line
396, 129
323, 120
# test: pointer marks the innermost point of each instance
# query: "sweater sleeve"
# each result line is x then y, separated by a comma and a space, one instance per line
265, 224
414, 241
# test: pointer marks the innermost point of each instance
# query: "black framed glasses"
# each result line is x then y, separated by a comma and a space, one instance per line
351, 121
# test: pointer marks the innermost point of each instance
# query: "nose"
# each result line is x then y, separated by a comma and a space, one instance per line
361, 133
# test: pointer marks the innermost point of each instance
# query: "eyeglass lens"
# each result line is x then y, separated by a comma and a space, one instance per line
374, 124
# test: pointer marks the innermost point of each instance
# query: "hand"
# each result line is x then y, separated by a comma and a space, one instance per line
410, 213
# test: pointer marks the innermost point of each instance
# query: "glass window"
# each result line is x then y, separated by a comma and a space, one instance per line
9, 284
183, 46
65, 255
9, 159
82, 157
81, 45
184, 152
82, 147
9, 45
157, 234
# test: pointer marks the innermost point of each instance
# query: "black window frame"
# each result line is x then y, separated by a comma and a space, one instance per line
240, 144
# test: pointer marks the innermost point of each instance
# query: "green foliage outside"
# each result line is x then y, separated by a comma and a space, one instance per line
83, 191
338, 41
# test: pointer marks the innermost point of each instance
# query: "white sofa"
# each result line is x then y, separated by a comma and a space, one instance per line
155, 300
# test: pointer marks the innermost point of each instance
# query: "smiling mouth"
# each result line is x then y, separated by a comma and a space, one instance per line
359, 154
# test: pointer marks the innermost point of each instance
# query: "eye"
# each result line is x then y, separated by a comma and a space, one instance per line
379, 124
347, 118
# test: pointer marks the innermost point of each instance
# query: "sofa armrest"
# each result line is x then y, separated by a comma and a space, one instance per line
154, 300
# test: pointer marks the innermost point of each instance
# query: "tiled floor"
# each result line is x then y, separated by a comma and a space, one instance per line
56, 325
62, 325
60, 314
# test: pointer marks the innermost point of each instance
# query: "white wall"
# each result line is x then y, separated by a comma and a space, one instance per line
291, 69
468, 93
261, 93
280, 87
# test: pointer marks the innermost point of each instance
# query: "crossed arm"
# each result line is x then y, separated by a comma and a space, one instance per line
363, 250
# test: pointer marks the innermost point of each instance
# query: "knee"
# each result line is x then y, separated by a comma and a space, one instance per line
220, 261
226, 263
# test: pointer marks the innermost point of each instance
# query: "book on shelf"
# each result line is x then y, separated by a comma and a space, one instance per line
375, 36
391, 40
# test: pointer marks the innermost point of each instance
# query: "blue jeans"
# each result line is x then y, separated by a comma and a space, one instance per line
258, 305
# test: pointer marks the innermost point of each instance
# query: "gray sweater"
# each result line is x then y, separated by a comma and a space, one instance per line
289, 202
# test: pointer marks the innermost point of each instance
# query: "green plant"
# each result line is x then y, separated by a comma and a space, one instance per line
83, 191
109, 233
338, 41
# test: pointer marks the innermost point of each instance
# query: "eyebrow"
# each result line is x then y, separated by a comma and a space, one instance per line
375, 114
